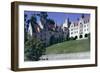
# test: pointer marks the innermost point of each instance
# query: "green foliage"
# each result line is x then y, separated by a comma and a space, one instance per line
51, 21
25, 17
71, 38
33, 49
25, 35
52, 40
51, 24
43, 15
33, 21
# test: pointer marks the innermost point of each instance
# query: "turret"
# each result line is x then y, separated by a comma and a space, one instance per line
65, 24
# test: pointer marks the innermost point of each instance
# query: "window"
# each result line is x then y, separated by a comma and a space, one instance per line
71, 29
88, 20
71, 25
84, 29
80, 23
87, 29
86, 35
84, 25
75, 37
80, 36
75, 32
87, 25
71, 32
84, 22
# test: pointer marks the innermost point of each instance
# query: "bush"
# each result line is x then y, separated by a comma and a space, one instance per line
75, 38
33, 49
71, 38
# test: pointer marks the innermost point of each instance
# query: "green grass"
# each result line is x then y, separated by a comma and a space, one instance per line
69, 47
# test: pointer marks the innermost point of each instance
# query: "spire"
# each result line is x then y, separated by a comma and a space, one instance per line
66, 20
55, 23
82, 15
65, 23
30, 29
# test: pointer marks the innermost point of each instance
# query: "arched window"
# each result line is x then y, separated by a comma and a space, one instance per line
86, 35
76, 37
80, 36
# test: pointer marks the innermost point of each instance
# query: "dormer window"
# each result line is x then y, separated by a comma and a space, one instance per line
80, 23
71, 32
84, 22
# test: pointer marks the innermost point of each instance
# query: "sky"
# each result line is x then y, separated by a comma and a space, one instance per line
58, 17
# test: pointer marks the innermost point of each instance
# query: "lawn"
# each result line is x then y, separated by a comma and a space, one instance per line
71, 46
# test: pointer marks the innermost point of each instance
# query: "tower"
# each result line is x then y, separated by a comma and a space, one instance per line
65, 24
30, 29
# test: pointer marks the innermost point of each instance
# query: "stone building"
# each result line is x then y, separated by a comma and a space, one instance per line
80, 28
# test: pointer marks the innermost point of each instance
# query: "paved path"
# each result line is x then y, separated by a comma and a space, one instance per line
81, 55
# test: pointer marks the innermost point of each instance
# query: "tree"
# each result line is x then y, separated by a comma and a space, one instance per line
43, 17
51, 21
25, 35
52, 40
83, 16
33, 21
51, 24
25, 29
75, 37
33, 49
67, 38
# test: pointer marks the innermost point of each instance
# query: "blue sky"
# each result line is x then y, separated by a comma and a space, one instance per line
58, 17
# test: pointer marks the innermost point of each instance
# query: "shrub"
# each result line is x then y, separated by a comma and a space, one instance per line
71, 38
75, 38
33, 49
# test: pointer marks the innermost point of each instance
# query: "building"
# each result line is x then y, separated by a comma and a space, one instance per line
80, 28
65, 29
